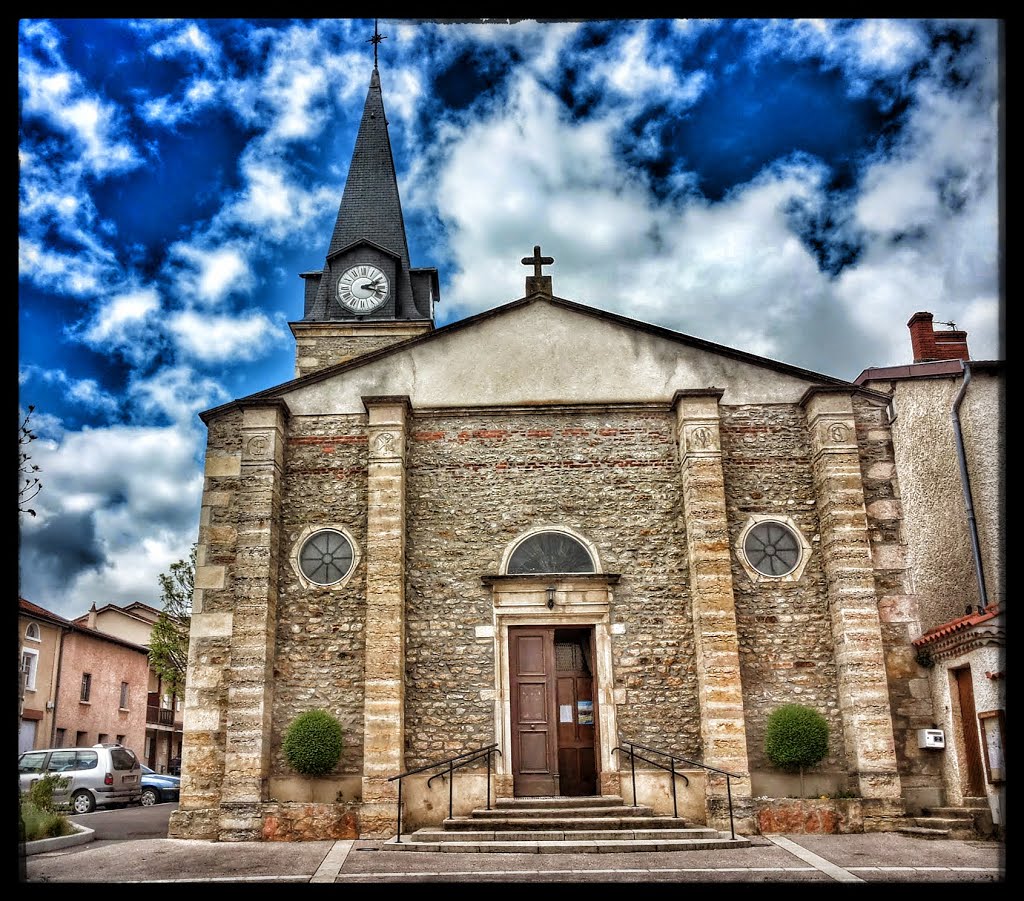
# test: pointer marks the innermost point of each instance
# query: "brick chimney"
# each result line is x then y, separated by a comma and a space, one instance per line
91, 621
929, 344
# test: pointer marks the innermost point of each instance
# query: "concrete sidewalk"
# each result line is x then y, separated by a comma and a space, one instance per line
875, 857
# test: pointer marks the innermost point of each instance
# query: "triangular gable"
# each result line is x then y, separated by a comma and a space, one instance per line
543, 350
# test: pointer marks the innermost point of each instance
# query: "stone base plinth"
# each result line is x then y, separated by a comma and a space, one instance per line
195, 824
295, 822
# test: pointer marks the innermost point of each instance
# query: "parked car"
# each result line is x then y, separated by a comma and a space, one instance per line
100, 776
159, 787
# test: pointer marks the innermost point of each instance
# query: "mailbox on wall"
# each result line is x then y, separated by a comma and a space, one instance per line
931, 738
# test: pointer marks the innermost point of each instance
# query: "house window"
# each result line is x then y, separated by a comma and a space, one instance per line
61, 733
103, 739
124, 694
86, 686
32, 632
29, 661
81, 739
120, 739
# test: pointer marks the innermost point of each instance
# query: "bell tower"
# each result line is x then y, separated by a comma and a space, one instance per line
367, 295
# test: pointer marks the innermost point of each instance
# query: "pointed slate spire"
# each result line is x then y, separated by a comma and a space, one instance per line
369, 223
370, 207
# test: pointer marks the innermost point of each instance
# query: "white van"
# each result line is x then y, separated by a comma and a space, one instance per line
100, 776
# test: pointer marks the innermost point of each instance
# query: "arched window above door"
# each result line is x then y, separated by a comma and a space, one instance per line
551, 551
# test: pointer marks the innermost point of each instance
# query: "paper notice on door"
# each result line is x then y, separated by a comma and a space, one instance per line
586, 713
565, 713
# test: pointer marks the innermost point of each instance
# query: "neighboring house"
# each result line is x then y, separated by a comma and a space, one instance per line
134, 622
95, 684
946, 416
40, 635
88, 680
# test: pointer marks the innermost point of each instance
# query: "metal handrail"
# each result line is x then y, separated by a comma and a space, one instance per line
463, 759
671, 768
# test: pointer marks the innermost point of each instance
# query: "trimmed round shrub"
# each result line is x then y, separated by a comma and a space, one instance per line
312, 745
795, 737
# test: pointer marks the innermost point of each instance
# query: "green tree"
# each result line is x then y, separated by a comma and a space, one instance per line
796, 737
168, 642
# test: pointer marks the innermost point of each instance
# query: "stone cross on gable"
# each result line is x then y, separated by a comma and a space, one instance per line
538, 283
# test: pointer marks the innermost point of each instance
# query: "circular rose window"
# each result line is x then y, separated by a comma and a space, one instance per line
326, 557
773, 549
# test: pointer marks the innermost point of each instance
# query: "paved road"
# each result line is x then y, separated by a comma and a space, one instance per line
855, 859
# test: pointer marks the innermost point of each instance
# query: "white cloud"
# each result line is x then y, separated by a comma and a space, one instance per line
221, 338
86, 393
212, 274
59, 96
177, 392
187, 40
67, 273
119, 319
118, 505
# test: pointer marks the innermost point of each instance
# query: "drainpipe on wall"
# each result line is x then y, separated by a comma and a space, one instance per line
972, 523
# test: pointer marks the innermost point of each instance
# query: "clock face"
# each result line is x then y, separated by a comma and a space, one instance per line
363, 288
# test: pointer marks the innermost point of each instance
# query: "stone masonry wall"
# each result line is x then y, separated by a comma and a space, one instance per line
328, 350
475, 484
909, 690
320, 639
209, 656
785, 640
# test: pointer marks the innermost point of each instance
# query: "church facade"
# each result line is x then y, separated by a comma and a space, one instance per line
547, 528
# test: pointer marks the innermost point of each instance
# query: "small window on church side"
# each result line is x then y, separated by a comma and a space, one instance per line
550, 552
326, 557
772, 549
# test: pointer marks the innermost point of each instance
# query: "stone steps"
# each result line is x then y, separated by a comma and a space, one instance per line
972, 821
561, 825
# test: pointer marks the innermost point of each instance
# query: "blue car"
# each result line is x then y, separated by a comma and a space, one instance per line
159, 787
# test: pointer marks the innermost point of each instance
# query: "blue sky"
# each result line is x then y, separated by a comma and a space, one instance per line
791, 188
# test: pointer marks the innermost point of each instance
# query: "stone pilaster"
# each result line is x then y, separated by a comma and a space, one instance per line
384, 684
253, 624
852, 599
723, 730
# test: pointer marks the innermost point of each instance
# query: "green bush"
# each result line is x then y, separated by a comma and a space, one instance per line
312, 745
41, 823
41, 791
795, 737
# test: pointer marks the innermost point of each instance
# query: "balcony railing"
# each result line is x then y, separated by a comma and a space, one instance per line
160, 716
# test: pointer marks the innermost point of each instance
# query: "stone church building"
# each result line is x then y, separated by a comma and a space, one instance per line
547, 528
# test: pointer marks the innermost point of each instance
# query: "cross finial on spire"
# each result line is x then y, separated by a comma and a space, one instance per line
538, 283
375, 40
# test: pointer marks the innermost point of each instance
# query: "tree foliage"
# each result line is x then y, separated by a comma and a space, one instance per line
28, 483
312, 745
168, 641
796, 737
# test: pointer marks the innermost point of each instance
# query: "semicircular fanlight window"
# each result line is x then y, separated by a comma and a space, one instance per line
550, 552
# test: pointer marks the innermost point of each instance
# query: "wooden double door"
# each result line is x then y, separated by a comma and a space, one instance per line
554, 715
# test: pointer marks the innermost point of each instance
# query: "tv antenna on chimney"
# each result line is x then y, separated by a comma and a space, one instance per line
951, 324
